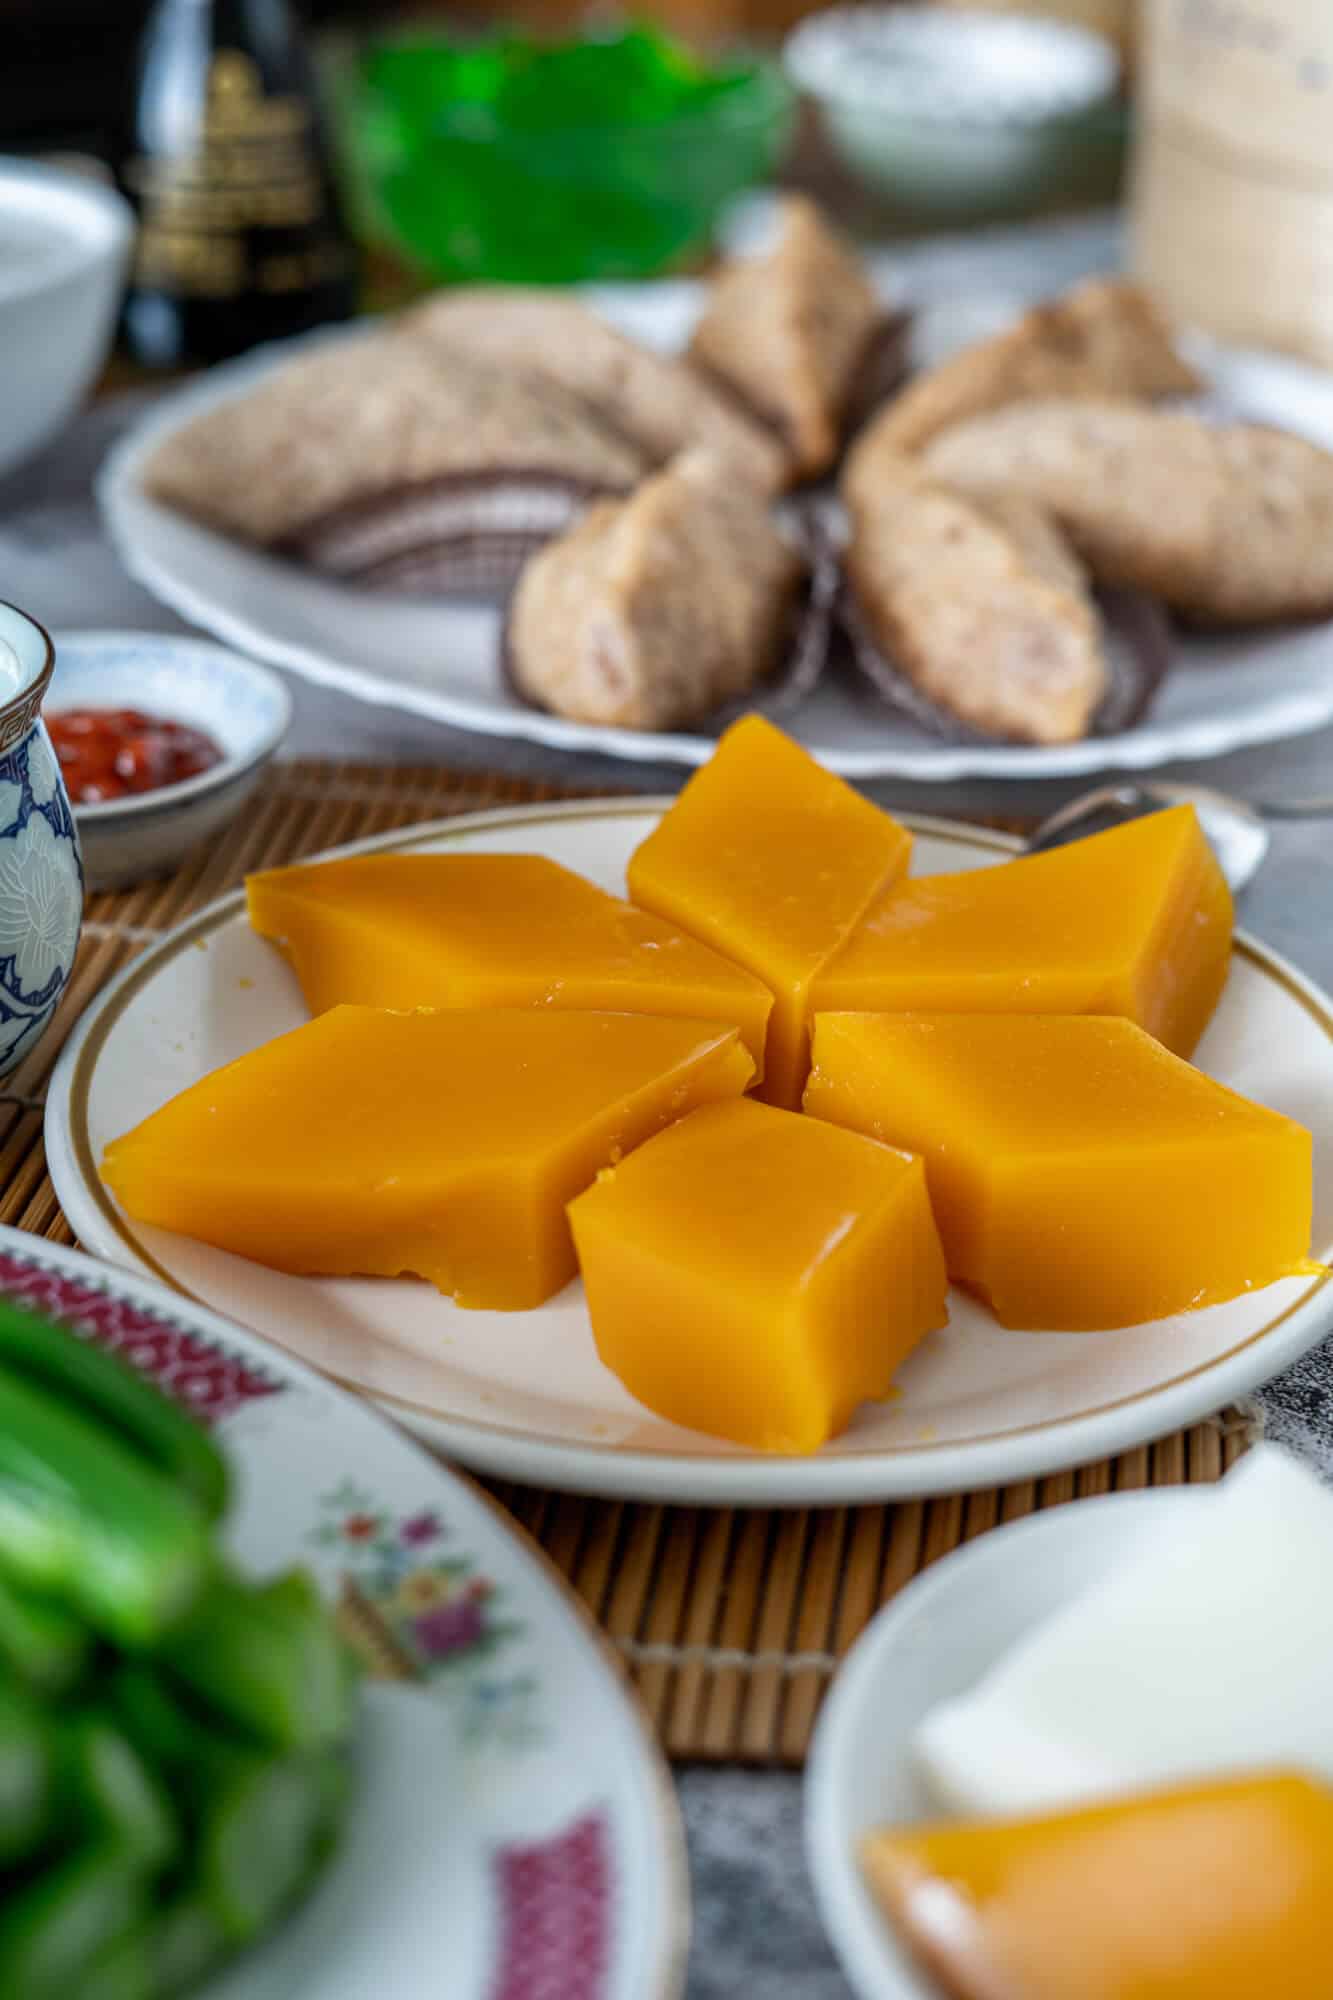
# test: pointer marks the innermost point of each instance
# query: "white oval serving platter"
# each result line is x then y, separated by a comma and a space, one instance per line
438, 659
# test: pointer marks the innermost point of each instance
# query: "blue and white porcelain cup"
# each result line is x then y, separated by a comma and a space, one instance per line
41, 869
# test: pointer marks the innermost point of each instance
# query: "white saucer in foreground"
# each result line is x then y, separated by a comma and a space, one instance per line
934, 1641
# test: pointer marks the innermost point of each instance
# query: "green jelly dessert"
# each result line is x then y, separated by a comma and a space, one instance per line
528, 161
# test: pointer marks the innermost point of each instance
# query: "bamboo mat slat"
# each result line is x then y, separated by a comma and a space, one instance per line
730, 1624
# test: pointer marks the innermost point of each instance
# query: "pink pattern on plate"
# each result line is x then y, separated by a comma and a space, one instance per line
555, 1916
211, 1381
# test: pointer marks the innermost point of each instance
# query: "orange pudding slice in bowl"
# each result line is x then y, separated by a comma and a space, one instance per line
1221, 1891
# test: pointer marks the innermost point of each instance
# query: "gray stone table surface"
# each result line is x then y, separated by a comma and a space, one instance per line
757, 1932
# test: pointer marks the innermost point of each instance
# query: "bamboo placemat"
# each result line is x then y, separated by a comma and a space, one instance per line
730, 1622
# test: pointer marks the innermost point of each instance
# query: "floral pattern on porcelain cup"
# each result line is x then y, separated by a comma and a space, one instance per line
41, 868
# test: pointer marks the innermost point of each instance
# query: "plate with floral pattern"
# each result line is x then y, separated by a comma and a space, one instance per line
524, 1394
515, 1835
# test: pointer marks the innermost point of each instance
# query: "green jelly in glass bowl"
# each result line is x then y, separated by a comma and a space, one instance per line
515, 160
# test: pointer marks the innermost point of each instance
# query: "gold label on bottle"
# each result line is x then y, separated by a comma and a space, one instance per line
253, 167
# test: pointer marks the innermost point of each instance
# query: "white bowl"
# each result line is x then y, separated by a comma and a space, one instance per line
64, 248
245, 708
960, 111
934, 1641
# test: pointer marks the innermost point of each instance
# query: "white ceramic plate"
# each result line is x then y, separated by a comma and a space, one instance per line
515, 1823
438, 660
523, 1394
937, 1639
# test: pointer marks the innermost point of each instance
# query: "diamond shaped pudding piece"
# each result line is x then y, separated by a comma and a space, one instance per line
443, 1145
1082, 1176
491, 930
772, 861
756, 1275
1136, 921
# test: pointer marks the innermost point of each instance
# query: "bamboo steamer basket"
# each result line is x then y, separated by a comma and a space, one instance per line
1232, 191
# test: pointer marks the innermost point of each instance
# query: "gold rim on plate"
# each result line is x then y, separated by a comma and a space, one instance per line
195, 930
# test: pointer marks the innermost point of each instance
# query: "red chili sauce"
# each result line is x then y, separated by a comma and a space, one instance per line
111, 753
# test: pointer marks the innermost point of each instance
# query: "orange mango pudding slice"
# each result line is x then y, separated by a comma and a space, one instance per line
1082, 1176
771, 860
1136, 921
756, 1275
444, 1145
491, 930
1223, 1891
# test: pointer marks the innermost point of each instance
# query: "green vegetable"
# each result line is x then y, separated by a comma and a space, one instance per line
161, 1729
267, 1658
85, 1519
296, 1592
335, 1782
149, 1832
113, 1796
105, 1387
259, 1821
54, 1927
44, 1644
124, 1971
259, 1840
27, 1775
185, 1942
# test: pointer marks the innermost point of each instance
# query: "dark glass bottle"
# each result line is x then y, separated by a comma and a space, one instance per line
240, 238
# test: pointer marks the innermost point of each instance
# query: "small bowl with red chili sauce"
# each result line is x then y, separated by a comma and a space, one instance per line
161, 741
121, 753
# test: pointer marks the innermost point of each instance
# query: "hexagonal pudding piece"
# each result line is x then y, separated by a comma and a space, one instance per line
491, 930
756, 1275
771, 860
442, 1145
1082, 1176
1136, 921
